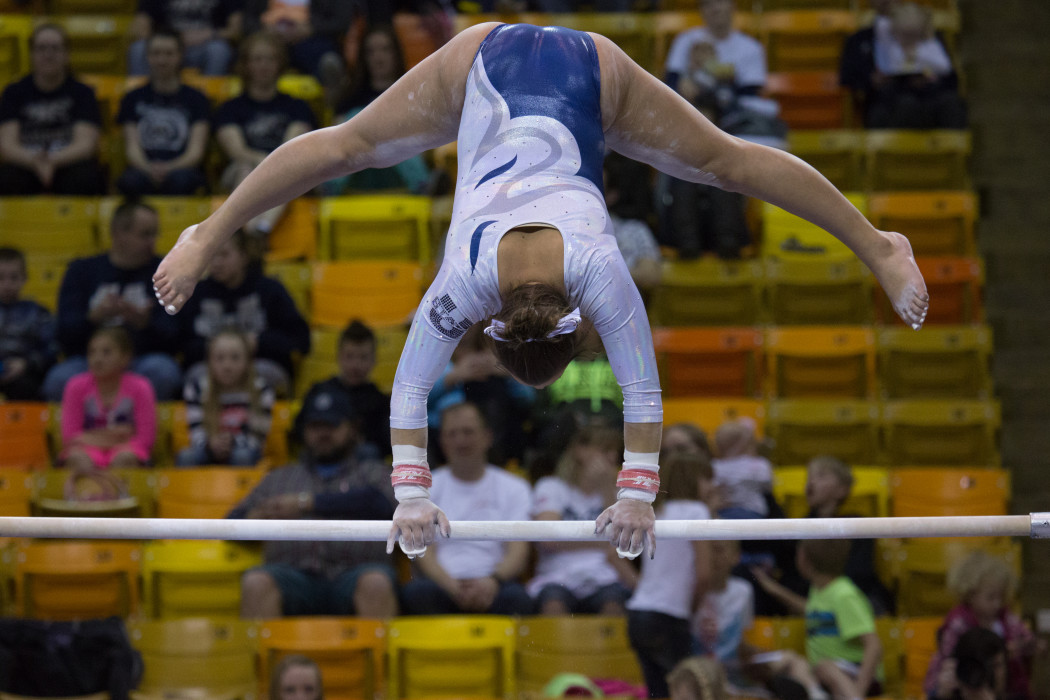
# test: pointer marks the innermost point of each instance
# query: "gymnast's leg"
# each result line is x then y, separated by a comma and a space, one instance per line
646, 120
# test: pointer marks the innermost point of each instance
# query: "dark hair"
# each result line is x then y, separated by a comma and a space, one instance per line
287, 663
125, 213
974, 655
695, 433
529, 313
680, 476
357, 332
470, 405
826, 557
8, 254
49, 26
163, 32
244, 49
362, 63
120, 337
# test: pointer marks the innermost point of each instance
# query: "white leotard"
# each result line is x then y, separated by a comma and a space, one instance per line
530, 148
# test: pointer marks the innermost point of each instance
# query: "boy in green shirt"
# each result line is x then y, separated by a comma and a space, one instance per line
841, 643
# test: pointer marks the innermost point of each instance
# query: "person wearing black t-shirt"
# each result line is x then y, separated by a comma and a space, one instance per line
253, 124
165, 128
49, 125
208, 29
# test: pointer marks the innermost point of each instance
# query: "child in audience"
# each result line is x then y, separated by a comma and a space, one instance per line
109, 415
841, 643
976, 670
673, 584
745, 477
296, 677
985, 586
228, 410
27, 333
697, 678
581, 577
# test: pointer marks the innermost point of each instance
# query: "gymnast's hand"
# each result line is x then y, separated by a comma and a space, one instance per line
413, 527
629, 524
179, 271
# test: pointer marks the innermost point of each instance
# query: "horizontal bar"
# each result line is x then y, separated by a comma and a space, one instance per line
1034, 525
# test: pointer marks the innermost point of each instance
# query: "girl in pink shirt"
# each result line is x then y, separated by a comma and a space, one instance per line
109, 415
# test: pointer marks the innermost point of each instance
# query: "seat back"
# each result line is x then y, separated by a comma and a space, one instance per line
52, 228
213, 656
205, 492
942, 432
594, 645
933, 491
16, 490
23, 435
809, 99
917, 160
838, 154
819, 291
43, 281
98, 43
375, 227
709, 413
349, 651
821, 362
709, 361
296, 233
924, 564
891, 635
942, 362
936, 223
77, 580
802, 429
954, 285
296, 278
708, 293
15, 31
919, 638
805, 40
773, 633
787, 236
445, 656
379, 292
189, 578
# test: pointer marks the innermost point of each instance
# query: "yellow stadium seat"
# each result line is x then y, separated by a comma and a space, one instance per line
838, 154
43, 281
295, 235
940, 362
809, 99
379, 292
77, 580
869, 497
709, 413
917, 160
803, 429
56, 228
204, 492
217, 88
594, 645
349, 651
709, 361
197, 656
708, 293
891, 634
296, 278
821, 361
773, 633
451, 656
942, 433
23, 435
923, 566
805, 40
375, 227
174, 213
189, 578
787, 236
819, 291
15, 31
49, 496
919, 637
98, 43
308, 89
933, 491
954, 285
16, 491
936, 223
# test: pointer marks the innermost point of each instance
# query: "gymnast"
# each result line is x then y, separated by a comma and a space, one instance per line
529, 249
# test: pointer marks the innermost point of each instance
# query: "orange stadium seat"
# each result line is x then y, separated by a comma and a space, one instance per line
821, 361
23, 435
809, 99
773, 633
77, 580
204, 492
295, 235
954, 286
379, 292
594, 645
375, 227
16, 490
936, 223
919, 636
709, 361
933, 491
709, 413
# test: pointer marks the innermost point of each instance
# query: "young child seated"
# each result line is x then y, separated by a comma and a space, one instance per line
985, 586
976, 670
27, 333
109, 415
744, 476
228, 410
841, 643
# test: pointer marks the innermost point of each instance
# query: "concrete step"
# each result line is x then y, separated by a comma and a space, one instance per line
1025, 443
1021, 197
1017, 259
1019, 328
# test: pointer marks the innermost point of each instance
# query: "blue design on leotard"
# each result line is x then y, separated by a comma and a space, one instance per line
497, 172
475, 243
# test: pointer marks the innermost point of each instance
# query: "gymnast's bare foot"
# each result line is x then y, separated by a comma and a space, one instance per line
179, 271
900, 278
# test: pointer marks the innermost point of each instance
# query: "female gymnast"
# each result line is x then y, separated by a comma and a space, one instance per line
533, 109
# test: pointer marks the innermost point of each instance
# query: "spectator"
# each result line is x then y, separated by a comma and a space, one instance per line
745, 478
685, 437
899, 72
49, 125
310, 30
697, 678
115, 289
672, 585
253, 124
229, 409
27, 333
296, 677
356, 358
165, 127
976, 670
237, 295
472, 577
109, 415
841, 643
700, 218
985, 586
208, 30
328, 483
581, 577
382, 63
629, 199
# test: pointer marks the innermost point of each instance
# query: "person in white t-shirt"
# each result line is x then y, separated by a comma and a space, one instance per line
744, 477
472, 577
580, 577
672, 585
